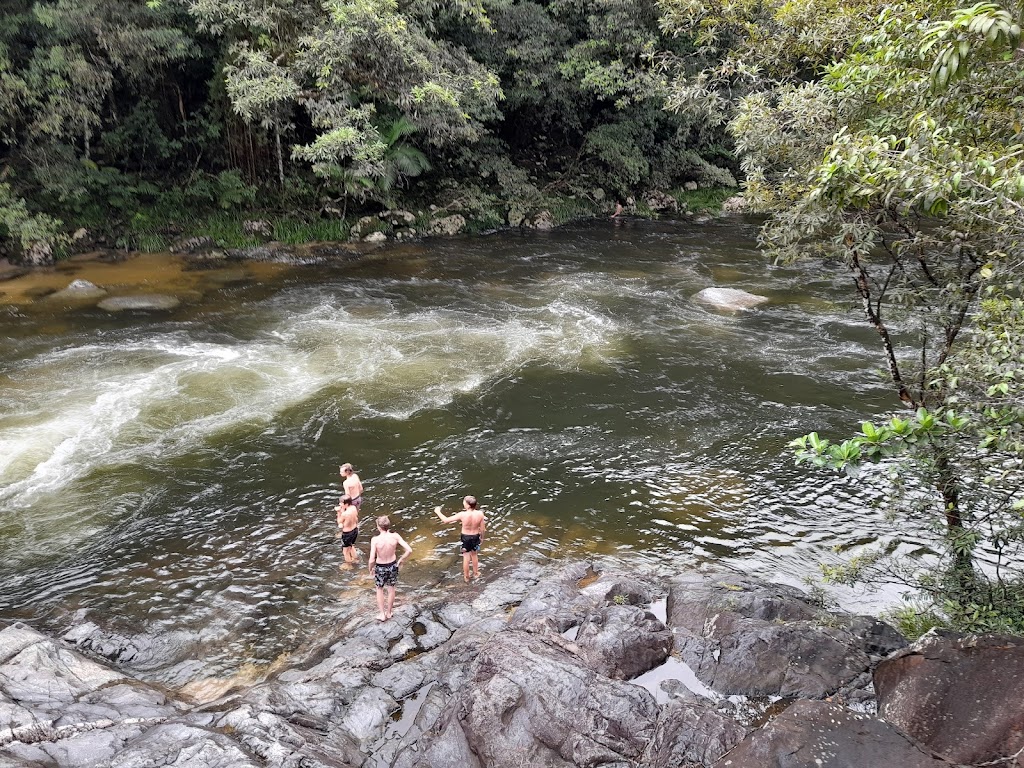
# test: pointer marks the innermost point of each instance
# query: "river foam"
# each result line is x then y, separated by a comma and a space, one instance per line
136, 397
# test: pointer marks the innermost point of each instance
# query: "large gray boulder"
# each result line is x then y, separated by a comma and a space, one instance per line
741, 636
78, 291
179, 745
59, 708
528, 702
817, 734
691, 732
961, 696
622, 641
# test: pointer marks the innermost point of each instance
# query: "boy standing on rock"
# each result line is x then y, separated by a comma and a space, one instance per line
384, 565
473, 527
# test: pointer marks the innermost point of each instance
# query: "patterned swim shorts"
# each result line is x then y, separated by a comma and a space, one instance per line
385, 575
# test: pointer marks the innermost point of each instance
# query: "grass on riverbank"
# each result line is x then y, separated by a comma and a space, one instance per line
154, 230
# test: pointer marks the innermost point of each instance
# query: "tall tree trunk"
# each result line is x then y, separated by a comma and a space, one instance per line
280, 157
963, 562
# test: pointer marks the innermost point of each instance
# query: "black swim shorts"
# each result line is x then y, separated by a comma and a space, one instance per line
385, 575
470, 543
348, 538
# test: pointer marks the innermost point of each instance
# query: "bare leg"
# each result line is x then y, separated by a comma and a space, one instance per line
476, 565
391, 601
382, 616
465, 566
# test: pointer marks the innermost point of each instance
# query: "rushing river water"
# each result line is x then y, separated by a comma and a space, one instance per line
174, 475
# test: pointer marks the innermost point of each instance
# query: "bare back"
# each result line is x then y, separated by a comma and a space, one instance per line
353, 486
472, 522
386, 544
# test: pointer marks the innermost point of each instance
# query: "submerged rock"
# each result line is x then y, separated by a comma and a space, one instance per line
139, 303
10, 272
78, 290
729, 298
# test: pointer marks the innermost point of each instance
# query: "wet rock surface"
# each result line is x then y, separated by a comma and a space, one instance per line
78, 290
817, 734
741, 636
731, 299
531, 668
143, 302
959, 696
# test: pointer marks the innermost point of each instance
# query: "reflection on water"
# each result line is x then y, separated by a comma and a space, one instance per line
172, 477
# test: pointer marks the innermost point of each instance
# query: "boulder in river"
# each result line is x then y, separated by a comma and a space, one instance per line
142, 302
960, 696
447, 225
193, 244
10, 272
78, 290
729, 298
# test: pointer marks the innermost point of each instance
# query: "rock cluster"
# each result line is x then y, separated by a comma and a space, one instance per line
545, 669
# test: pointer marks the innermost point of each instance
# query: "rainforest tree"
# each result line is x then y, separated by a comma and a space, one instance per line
896, 152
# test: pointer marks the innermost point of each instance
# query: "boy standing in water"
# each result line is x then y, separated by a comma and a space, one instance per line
473, 527
348, 523
352, 484
384, 565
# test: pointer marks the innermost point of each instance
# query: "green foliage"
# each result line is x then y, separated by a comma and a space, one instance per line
914, 620
132, 118
297, 231
887, 139
702, 199
36, 235
621, 161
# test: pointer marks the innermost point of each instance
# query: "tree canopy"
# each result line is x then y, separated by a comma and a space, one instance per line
125, 115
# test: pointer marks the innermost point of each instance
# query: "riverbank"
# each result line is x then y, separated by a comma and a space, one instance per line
156, 230
577, 666
221, 249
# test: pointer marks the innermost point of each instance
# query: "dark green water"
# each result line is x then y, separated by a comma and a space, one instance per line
173, 476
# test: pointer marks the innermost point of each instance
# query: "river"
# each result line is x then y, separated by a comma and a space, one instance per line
173, 475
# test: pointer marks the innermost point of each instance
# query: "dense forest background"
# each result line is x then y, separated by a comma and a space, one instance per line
885, 140
138, 120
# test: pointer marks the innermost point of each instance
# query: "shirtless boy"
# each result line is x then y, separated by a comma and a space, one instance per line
348, 523
473, 527
352, 484
384, 566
